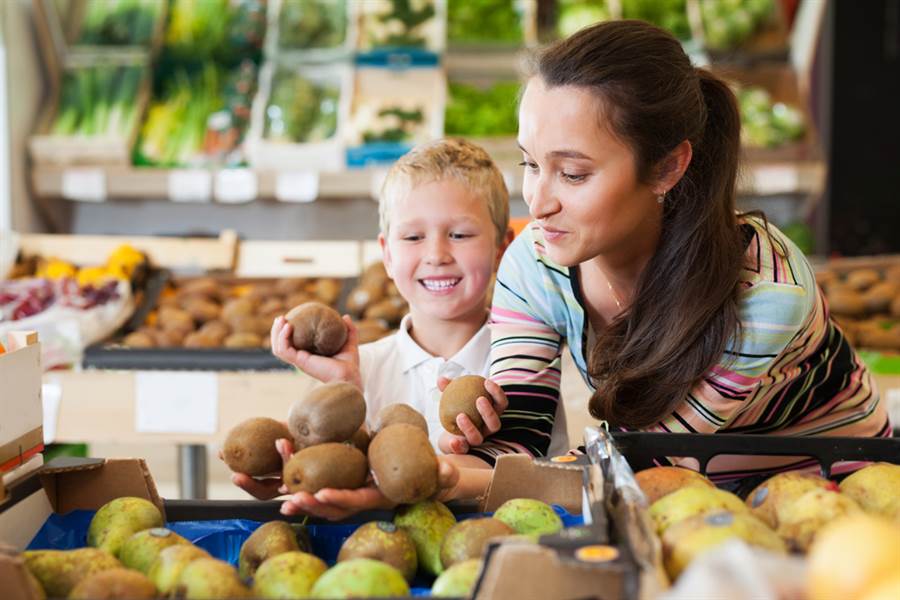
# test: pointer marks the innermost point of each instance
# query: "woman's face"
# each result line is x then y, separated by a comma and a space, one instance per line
580, 181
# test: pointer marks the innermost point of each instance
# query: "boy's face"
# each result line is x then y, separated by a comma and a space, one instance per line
441, 251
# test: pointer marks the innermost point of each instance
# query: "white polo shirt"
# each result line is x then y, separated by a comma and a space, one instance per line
396, 369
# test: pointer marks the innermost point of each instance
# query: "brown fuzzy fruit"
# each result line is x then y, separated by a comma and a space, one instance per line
404, 463
318, 329
363, 296
459, 397
243, 340
369, 331
202, 310
862, 279
400, 413
331, 412
328, 290
361, 440
250, 446
845, 301
195, 339
139, 339
337, 466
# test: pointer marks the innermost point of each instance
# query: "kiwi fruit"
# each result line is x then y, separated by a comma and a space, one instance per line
175, 318
361, 440
139, 339
167, 338
878, 298
272, 306
370, 330
862, 279
374, 275
318, 329
459, 397
195, 339
243, 340
114, 584
202, 310
286, 287
239, 307
331, 465
327, 290
331, 412
216, 329
201, 286
363, 296
385, 542
848, 302
895, 307
468, 539
250, 446
400, 413
388, 310
404, 463
892, 274
878, 337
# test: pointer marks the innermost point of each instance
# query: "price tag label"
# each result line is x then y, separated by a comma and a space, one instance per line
173, 402
236, 186
190, 185
84, 185
297, 186
775, 179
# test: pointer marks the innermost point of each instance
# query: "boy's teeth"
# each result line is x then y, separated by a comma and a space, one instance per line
439, 284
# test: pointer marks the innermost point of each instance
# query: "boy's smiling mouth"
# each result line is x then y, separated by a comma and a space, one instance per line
441, 284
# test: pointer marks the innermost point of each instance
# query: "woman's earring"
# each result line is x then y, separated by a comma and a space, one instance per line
661, 198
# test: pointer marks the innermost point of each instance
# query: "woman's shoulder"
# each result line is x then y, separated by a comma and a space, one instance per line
771, 257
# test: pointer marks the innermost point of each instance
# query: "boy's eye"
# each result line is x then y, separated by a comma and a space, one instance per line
411, 237
460, 236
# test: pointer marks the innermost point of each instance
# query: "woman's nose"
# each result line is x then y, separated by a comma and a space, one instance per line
541, 201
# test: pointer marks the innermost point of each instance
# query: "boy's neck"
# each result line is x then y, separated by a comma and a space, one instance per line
444, 338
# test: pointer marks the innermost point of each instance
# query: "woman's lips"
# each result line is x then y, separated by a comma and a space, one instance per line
553, 235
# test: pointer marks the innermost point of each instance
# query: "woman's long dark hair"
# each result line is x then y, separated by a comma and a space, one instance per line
684, 312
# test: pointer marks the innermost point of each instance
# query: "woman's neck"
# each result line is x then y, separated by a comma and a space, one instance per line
442, 337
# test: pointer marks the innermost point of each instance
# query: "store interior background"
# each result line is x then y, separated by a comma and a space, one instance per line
855, 77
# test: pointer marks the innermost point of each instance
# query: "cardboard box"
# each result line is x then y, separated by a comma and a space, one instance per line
21, 408
555, 569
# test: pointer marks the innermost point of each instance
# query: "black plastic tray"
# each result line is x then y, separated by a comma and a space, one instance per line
641, 448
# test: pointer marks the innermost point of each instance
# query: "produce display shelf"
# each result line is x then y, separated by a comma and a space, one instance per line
181, 359
759, 177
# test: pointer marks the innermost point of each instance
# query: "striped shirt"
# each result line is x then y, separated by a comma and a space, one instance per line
793, 372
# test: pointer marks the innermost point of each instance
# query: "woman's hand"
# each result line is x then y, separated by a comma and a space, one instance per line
268, 487
490, 410
335, 505
343, 366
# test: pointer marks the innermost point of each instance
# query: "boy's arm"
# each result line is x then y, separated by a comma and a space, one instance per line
343, 366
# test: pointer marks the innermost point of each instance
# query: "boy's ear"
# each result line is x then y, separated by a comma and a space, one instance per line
508, 238
385, 254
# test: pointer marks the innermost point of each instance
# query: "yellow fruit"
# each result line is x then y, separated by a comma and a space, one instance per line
851, 556
876, 489
690, 501
780, 490
801, 520
92, 276
885, 589
657, 482
55, 269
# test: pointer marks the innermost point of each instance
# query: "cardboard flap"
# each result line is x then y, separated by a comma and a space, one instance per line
88, 484
519, 476
529, 571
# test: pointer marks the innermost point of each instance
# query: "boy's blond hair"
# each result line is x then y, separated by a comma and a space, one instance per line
451, 158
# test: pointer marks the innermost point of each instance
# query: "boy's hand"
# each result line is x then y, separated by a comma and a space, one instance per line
343, 366
490, 410
335, 505
269, 487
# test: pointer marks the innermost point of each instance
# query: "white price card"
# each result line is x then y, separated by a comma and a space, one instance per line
297, 186
51, 397
190, 185
236, 186
84, 185
775, 179
175, 402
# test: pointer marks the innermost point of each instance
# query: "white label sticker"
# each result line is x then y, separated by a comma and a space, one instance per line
51, 395
173, 402
775, 179
84, 185
190, 185
235, 186
297, 186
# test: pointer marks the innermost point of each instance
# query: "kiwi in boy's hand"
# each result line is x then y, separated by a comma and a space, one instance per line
250, 446
459, 397
331, 412
404, 463
337, 466
318, 329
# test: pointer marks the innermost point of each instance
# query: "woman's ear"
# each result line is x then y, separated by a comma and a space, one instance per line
672, 167
385, 254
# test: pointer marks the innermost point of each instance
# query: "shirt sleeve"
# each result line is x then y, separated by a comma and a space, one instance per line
525, 356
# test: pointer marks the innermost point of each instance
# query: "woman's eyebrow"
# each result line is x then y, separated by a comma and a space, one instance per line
565, 153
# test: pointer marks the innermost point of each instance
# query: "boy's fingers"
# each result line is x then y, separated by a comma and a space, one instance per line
497, 396
285, 449
352, 334
473, 436
459, 445
486, 410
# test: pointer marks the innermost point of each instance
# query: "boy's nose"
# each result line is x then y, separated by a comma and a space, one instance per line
438, 252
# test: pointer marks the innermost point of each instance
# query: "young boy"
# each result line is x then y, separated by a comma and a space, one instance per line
444, 218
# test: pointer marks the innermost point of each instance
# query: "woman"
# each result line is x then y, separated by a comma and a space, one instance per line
681, 314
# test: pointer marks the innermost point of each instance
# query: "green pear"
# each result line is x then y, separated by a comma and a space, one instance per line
114, 584
876, 489
169, 563
119, 519
384, 541
458, 580
58, 571
468, 539
426, 523
529, 517
141, 549
210, 578
690, 501
288, 575
684, 541
360, 578
800, 521
270, 539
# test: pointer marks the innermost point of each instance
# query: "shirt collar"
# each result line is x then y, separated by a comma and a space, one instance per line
470, 357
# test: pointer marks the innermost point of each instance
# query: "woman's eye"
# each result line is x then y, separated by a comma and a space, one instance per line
571, 178
528, 165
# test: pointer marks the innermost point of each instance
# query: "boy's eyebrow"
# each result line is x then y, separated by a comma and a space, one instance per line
561, 153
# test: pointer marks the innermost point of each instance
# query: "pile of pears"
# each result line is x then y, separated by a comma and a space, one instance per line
788, 512
130, 555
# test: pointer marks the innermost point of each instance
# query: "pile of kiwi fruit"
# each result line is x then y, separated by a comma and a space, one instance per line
207, 312
375, 304
865, 302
